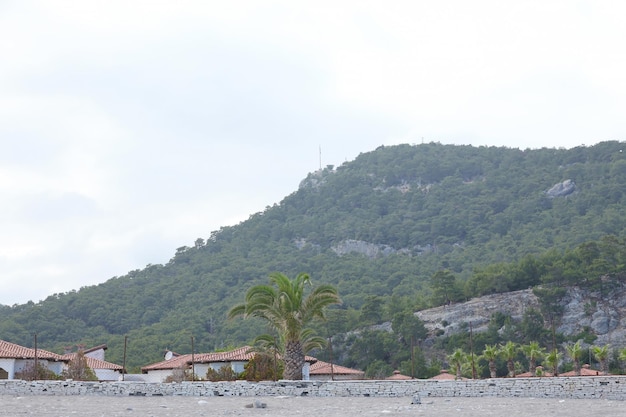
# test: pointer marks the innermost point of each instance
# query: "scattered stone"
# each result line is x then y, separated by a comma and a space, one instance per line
416, 400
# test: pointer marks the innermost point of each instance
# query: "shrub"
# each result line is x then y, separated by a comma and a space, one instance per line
29, 373
225, 373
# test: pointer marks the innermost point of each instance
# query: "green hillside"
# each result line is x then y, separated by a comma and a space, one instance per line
378, 228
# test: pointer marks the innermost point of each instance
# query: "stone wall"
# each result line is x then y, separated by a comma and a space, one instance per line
607, 387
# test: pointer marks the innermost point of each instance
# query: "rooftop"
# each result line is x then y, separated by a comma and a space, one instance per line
13, 351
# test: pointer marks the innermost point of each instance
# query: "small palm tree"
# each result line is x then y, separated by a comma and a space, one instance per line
575, 352
457, 359
508, 351
490, 354
285, 308
601, 353
533, 352
622, 355
552, 359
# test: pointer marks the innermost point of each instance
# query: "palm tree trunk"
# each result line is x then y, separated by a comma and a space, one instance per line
458, 371
532, 365
511, 367
492, 368
294, 360
603, 367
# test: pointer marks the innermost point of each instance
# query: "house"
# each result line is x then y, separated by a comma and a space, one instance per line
585, 370
235, 359
444, 375
105, 371
397, 376
15, 358
324, 371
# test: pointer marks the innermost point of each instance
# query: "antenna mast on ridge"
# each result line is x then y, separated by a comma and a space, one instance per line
320, 157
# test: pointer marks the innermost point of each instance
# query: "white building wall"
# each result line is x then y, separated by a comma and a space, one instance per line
107, 374
96, 354
56, 367
9, 366
201, 369
158, 375
238, 367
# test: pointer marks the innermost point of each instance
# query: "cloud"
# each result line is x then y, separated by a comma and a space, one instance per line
129, 129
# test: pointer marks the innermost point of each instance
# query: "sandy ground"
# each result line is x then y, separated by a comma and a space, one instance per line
302, 406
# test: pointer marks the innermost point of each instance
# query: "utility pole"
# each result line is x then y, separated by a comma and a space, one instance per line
412, 357
472, 353
36, 359
330, 354
124, 363
193, 366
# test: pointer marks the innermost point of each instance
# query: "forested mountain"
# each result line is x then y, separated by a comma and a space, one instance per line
385, 229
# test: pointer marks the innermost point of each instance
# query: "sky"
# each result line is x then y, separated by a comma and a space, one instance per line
131, 128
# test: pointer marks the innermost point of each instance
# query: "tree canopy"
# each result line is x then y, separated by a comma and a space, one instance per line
284, 306
378, 229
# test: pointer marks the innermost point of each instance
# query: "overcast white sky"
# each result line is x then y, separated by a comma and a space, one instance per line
130, 128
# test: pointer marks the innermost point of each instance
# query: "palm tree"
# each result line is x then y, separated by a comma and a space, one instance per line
622, 355
285, 308
601, 353
490, 353
533, 352
575, 352
508, 351
552, 359
457, 359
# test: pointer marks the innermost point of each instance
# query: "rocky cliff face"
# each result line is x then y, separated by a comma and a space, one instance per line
604, 316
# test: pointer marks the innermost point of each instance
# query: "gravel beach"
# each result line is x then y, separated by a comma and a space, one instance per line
60, 406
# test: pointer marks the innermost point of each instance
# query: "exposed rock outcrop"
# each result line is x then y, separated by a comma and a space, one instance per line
478, 311
371, 250
562, 189
601, 314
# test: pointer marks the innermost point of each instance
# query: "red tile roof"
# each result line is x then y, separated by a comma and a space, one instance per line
324, 368
242, 354
183, 361
584, 371
397, 376
175, 363
13, 351
94, 363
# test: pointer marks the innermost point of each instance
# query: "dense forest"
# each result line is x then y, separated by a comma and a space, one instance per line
398, 229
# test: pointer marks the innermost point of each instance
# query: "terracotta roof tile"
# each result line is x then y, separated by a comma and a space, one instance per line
397, 376
94, 363
174, 363
585, 370
242, 354
13, 351
323, 368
